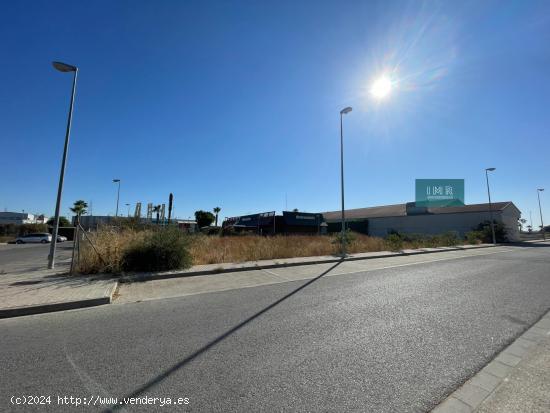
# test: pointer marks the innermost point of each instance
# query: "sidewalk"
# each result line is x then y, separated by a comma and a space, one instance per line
30, 288
517, 380
26, 287
207, 269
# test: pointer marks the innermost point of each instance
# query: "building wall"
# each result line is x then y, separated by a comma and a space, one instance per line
16, 218
439, 223
510, 217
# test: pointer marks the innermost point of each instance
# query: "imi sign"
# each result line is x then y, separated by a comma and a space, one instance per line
439, 192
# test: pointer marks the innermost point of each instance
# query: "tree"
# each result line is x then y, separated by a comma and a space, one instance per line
156, 209
295, 210
204, 218
486, 233
217, 211
63, 222
521, 222
79, 208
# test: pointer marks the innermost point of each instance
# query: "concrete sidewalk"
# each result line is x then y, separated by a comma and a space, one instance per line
517, 380
28, 287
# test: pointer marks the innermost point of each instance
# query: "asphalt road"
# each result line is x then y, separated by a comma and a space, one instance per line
16, 258
390, 340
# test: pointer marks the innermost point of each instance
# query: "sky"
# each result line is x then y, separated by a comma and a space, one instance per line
236, 103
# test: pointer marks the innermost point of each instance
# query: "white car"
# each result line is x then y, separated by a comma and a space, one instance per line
41, 237
61, 238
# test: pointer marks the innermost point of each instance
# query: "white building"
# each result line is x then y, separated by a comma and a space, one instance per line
409, 219
17, 218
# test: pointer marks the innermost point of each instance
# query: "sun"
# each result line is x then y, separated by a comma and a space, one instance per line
381, 87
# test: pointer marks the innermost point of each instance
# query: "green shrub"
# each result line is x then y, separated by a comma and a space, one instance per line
394, 242
25, 229
349, 237
448, 239
161, 250
474, 237
487, 236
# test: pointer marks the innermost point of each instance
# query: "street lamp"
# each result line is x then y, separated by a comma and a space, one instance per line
117, 195
62, 67
128, 205
342, 113
487, 170
539, 190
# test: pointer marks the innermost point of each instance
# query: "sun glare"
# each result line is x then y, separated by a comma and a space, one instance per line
381, 87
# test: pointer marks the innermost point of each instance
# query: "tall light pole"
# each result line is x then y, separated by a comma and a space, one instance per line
342, 113
62, 67
490, 205
128, 205
117, 195
539, 190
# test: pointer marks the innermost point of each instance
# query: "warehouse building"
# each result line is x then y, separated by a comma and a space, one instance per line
408, 218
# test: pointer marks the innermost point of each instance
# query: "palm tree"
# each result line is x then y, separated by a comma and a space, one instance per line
156, 209
217, 211
79, 208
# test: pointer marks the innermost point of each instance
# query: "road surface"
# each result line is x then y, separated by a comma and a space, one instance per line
388, 340
16, 258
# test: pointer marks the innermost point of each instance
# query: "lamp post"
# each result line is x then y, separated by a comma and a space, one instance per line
539, 190
62, 67
342, 113
117, 195
487, 170
128, 205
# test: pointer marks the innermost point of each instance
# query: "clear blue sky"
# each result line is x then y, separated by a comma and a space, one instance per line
236, 103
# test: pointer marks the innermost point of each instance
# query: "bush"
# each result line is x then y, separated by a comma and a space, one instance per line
25, 229
349, 237
474, 237
162, 250
448, 239
394, 242
487, 236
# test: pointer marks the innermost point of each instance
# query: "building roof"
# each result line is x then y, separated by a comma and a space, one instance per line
400, 210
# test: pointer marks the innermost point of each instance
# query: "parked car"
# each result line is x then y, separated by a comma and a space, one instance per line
61, 238
41, 237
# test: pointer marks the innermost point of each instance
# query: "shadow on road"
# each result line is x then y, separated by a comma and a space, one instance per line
153, 382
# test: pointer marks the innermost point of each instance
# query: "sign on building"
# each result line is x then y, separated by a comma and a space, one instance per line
439, 192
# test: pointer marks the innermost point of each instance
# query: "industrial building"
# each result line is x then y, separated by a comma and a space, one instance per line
382, 220
268, 223
408, 218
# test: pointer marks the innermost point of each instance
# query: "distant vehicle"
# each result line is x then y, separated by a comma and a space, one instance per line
61, 238
41, 237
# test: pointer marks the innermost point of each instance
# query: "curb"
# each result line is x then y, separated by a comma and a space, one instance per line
479, 388
220, 270
60, 306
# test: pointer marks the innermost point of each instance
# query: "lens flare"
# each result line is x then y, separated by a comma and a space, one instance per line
381, 87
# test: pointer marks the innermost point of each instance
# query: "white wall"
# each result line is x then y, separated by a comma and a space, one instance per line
439, 223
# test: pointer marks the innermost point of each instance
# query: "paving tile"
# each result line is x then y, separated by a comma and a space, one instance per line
508, 359
516, 350
485, 381
498, 369
452, 405
471, 394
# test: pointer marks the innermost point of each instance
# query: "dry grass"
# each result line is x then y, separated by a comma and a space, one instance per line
212, 250
111, 243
